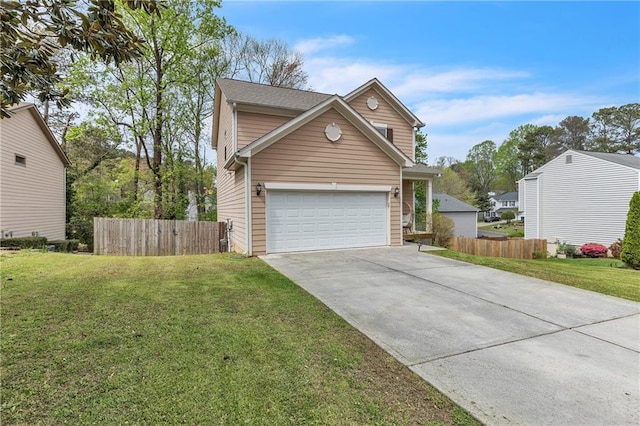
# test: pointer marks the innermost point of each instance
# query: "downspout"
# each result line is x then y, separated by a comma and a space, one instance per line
429, 201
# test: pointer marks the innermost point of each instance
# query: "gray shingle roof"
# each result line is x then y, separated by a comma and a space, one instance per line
278, 97
449, 204
507, 196
622, 159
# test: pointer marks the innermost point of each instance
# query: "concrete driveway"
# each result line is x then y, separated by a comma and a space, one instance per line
507, 348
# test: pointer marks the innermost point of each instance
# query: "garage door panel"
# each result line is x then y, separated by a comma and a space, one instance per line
299, 221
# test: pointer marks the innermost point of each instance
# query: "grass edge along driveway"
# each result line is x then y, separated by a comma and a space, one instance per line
606, 276
216, 339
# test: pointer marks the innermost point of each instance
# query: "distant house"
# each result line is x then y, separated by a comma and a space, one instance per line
579, 197
503, 202
32, 176
463, 215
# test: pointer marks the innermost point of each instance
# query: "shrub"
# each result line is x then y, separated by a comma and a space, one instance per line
594, 250
508, 215
65, 246
539, 254
442, 230
571, 250
24, 242
631, 243
616, 249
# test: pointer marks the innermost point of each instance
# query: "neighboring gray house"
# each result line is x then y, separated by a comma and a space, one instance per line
463, 215
579, 197
503, 202
32, 176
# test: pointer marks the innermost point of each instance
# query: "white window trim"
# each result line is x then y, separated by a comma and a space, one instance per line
380, 126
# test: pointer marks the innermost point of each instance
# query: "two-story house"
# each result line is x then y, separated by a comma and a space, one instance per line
503, 202
300, 170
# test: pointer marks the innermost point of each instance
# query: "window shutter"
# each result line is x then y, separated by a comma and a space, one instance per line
390, 134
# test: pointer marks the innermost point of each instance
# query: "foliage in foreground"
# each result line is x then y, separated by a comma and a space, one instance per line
193, 339
606, 276
631, 247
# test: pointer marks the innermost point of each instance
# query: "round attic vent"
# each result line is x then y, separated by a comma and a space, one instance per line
333, 132
372, 103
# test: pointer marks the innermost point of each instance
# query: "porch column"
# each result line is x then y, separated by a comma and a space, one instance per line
429, 191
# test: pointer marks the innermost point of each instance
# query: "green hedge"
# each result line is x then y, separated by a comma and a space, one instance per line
24, 242
65, 246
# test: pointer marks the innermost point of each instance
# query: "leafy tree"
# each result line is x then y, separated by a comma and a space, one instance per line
631, 243
572, 133
33, 32
604, 130
421, 148
451, 183
627, 120
537, 148
481, 166
482, 202
507, 164
508, 215
155, 98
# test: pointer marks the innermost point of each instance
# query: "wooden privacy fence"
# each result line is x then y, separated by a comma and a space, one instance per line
150, 237
513, 249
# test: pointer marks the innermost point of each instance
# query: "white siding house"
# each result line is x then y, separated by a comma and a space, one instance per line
32, 177
464, 216
579, 197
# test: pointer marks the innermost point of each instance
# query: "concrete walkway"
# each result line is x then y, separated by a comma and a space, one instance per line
507, 348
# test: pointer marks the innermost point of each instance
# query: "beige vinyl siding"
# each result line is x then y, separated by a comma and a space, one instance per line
230, 184
252, 126
584, 201
225, 132
32, 197
385, 114
307, 156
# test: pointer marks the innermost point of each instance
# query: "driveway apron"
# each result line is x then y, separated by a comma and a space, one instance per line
509, 349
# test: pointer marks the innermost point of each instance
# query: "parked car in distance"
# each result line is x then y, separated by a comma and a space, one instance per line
492, 219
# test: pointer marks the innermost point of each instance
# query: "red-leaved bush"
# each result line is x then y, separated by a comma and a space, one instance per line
594, 250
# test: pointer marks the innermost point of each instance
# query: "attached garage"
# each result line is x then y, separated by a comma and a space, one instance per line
320, 220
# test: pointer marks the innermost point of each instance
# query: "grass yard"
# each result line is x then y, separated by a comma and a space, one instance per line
513, 229
607, 276
215, 339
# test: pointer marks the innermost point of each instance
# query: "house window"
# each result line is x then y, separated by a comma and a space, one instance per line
384, 130
21, 160
568, 159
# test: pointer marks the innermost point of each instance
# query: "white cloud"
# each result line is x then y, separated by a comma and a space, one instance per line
311, 46
479, 108
337, 75
456, 80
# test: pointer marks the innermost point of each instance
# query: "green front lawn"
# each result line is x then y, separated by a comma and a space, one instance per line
607, 276
215, 339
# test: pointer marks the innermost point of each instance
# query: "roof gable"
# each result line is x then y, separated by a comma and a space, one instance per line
449, 204
35, 114
623, 160
344, 109
246, 93
507, 196
627, 160
391, 99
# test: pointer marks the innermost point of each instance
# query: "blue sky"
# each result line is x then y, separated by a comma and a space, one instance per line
471, 71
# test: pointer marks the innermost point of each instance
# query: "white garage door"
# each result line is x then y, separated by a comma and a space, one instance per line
300, 221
